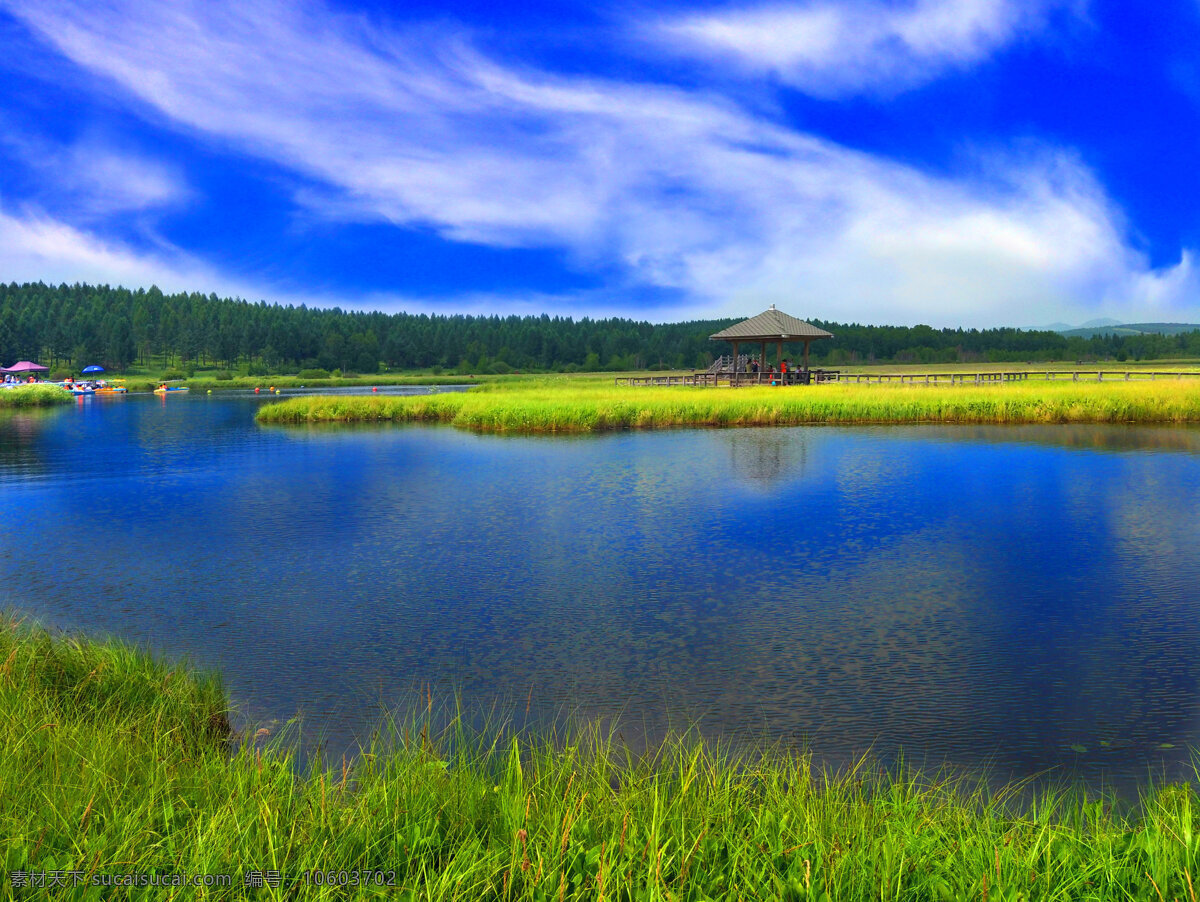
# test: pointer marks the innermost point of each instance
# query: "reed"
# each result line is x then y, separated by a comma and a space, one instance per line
35, 395
204, 383
113, 762
563, 405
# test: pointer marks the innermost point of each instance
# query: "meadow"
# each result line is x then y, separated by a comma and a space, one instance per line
569, 404
114, 762
206, 381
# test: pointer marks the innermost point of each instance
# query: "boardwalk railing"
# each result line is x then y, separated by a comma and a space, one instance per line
713, 379
1014, 376
725, 364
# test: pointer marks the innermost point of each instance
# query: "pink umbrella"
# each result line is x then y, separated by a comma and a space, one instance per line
25, 367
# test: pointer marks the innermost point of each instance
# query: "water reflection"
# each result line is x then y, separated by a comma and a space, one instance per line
971, 595
1118, 437
19, 432
763, 458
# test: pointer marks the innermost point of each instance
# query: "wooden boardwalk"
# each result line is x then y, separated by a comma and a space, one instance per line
713, 380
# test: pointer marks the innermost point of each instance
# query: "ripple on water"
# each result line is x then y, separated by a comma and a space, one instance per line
981, 596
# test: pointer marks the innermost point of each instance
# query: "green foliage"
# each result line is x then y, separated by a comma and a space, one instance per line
564, 404
223, 376
35, 395
174, 375
314, 373
114, 762
117, 327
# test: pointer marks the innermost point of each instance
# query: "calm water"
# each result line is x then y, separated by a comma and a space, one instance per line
969, 595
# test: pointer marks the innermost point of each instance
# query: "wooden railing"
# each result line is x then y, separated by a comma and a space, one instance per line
1014, 376
713, 379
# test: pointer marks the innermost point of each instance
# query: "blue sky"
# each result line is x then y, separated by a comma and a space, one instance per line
952, 162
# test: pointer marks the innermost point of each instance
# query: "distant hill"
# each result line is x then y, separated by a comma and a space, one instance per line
1116, 328
1101, 322
1053, 327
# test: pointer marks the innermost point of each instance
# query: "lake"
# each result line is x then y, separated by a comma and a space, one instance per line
1018, 598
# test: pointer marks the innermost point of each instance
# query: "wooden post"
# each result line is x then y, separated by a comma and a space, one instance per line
735, 361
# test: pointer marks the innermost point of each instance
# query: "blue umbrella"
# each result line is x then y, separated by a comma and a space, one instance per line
93, 369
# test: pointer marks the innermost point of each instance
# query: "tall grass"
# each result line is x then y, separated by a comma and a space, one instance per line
112, 762
566, 406
35, 395
204, 383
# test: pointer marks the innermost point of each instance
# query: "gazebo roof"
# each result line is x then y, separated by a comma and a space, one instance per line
770, 325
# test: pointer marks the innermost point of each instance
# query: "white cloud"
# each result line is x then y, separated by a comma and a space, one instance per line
833, 48
35, 246
109, 181
686, 191
94, 179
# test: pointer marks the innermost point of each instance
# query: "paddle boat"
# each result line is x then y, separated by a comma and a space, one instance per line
164, 388
92, 387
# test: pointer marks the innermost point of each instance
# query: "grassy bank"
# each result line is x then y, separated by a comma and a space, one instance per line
565, 405
33, 396
264, 382
139, 382
113, 763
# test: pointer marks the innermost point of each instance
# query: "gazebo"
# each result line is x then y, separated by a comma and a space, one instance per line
774, 326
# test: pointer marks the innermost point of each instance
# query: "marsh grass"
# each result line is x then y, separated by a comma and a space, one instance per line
563, 405
115, 762
34, 395
204, 383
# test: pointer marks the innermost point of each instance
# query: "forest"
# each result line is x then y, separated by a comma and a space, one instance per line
76, 325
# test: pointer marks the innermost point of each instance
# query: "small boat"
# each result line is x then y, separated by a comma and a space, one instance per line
163, 389
105, 389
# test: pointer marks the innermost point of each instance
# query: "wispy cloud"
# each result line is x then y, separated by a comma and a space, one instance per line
35, 246
835, 48
94, 178
675, 189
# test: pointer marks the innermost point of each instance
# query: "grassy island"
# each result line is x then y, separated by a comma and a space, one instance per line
565, 404
113, 762
33, 396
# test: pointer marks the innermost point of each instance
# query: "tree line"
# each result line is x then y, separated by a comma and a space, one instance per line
76, 325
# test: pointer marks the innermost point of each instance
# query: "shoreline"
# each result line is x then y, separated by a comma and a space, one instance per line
116, 761
35, 395
578, 407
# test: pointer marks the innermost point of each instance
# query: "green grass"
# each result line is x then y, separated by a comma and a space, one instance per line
204, 382
114, 762
564, 404
34, 395
265, 382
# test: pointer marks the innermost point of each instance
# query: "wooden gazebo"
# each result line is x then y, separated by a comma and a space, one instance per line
770, 326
